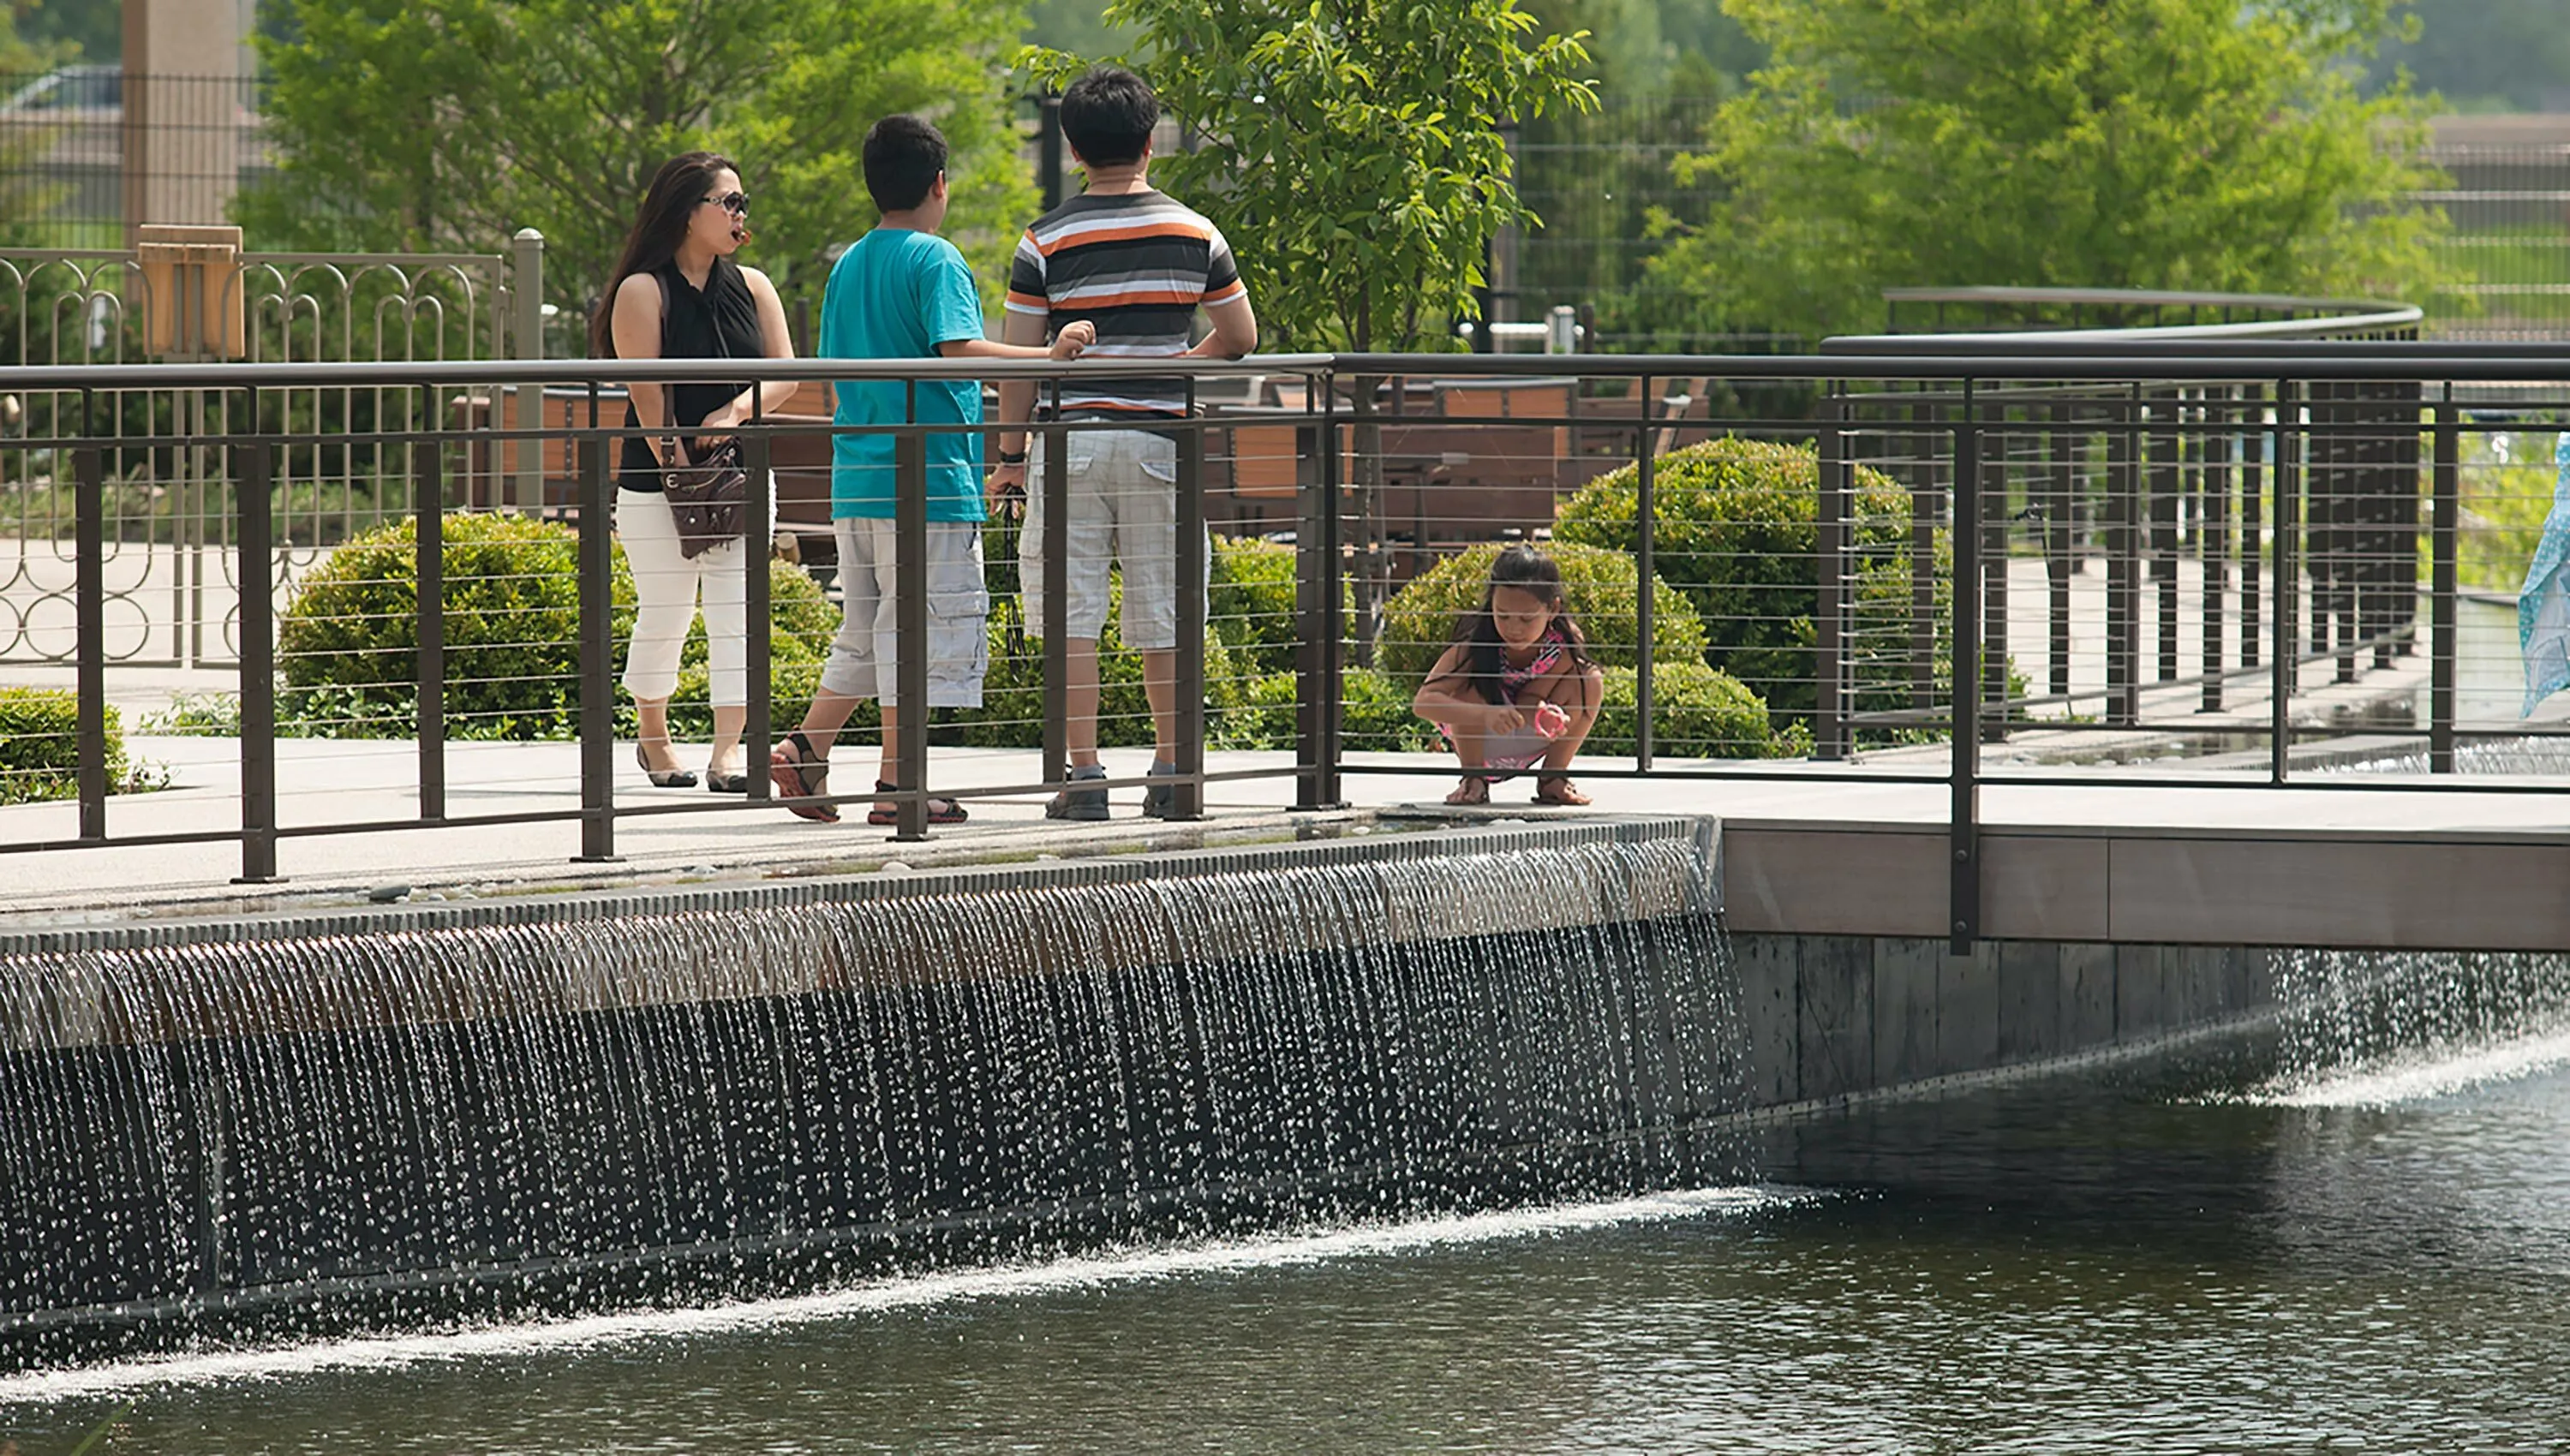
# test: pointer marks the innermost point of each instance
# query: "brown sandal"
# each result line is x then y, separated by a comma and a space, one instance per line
1470, 792
801, 774
1558, 790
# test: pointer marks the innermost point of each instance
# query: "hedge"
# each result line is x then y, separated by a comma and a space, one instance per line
1252, 604
1696, 713
348, 644
1374, 716
1598, 587
1735, 531
40, 746
1011, 711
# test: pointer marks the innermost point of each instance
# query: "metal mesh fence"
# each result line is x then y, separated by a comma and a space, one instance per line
86, 150
1600, 181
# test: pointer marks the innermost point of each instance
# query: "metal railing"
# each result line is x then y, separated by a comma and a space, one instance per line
1948, 558
164, 531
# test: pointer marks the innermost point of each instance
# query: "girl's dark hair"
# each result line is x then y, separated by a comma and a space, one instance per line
1478, 633
660, 225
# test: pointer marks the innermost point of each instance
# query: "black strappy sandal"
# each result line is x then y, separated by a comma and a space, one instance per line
939, 811
804, 776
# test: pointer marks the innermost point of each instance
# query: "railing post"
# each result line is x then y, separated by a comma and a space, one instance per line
2059, 537
1055, 609
1646, 530
429, 545
2253, 487
2445, 518
1318, 599
2213, 539
910, 622
255, 467
756, 541
597, 653
1992, 464
2123, 574
1926, 504
2166, 482
2284, 649
1188, 796
527, 294
89, 608
1830, 743
1963, 825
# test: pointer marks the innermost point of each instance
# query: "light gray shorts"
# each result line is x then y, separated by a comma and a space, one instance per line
864, 657
1123, 513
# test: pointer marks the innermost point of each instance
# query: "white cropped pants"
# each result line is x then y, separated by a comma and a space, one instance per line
669, 590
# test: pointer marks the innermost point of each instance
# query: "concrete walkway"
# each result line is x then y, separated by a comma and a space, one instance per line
698, 835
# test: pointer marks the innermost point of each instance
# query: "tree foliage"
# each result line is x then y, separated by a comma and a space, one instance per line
27, 195
448, 125
2163, 144
1351, 150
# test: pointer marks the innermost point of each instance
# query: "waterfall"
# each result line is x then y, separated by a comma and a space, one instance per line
300, 1131
2362, 1027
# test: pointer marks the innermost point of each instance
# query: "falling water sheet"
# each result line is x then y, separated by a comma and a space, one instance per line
878, 1296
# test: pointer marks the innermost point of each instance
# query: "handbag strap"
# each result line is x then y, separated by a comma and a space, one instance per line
723, 349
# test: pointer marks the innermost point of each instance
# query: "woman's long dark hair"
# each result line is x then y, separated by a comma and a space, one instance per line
660, 225
1486, 657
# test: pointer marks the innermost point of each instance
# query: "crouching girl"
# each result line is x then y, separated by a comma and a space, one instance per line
1516, 689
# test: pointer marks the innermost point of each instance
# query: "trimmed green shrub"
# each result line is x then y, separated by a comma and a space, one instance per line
1374, 715
1252, 604
1011, 712
1736, 532
1696, 713
1599, 587
39, 747
195, 715
349, 641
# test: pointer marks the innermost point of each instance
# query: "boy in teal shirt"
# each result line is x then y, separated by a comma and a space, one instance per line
902, 293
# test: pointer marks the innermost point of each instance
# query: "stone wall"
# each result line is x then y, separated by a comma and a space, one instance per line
1830, 1016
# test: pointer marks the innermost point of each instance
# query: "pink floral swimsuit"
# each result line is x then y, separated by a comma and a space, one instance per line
1524, 746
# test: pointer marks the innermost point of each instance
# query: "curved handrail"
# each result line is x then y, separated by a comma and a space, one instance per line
2392, 316
2327, 318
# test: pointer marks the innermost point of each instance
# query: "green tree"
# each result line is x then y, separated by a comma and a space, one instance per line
2165, 144
451, 124
27, 193
1351, 150
88, 30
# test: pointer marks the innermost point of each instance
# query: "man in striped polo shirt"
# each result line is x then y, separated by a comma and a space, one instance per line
1137, 265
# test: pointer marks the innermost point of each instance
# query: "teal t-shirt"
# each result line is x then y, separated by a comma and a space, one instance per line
898, 294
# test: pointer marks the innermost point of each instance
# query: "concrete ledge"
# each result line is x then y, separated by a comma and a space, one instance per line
559, 954
1363, 836
2356, 890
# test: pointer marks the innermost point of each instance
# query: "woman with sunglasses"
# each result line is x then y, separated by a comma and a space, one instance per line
678, 294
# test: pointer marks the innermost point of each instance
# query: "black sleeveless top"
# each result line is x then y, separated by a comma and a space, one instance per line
722, 321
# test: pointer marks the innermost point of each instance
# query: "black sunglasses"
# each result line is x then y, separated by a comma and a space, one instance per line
736, 203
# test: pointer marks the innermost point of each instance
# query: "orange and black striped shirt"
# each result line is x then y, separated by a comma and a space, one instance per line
1136, 265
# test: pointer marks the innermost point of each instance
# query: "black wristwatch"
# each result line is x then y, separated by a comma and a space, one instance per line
1013, 457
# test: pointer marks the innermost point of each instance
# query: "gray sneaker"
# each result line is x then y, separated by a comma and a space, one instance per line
1160, 801
1089, 806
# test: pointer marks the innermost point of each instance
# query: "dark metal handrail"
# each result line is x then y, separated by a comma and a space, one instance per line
1967, 422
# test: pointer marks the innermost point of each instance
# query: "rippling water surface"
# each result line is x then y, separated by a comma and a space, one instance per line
2183, 1257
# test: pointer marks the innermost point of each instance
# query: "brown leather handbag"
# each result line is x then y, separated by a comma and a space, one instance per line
708, 497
